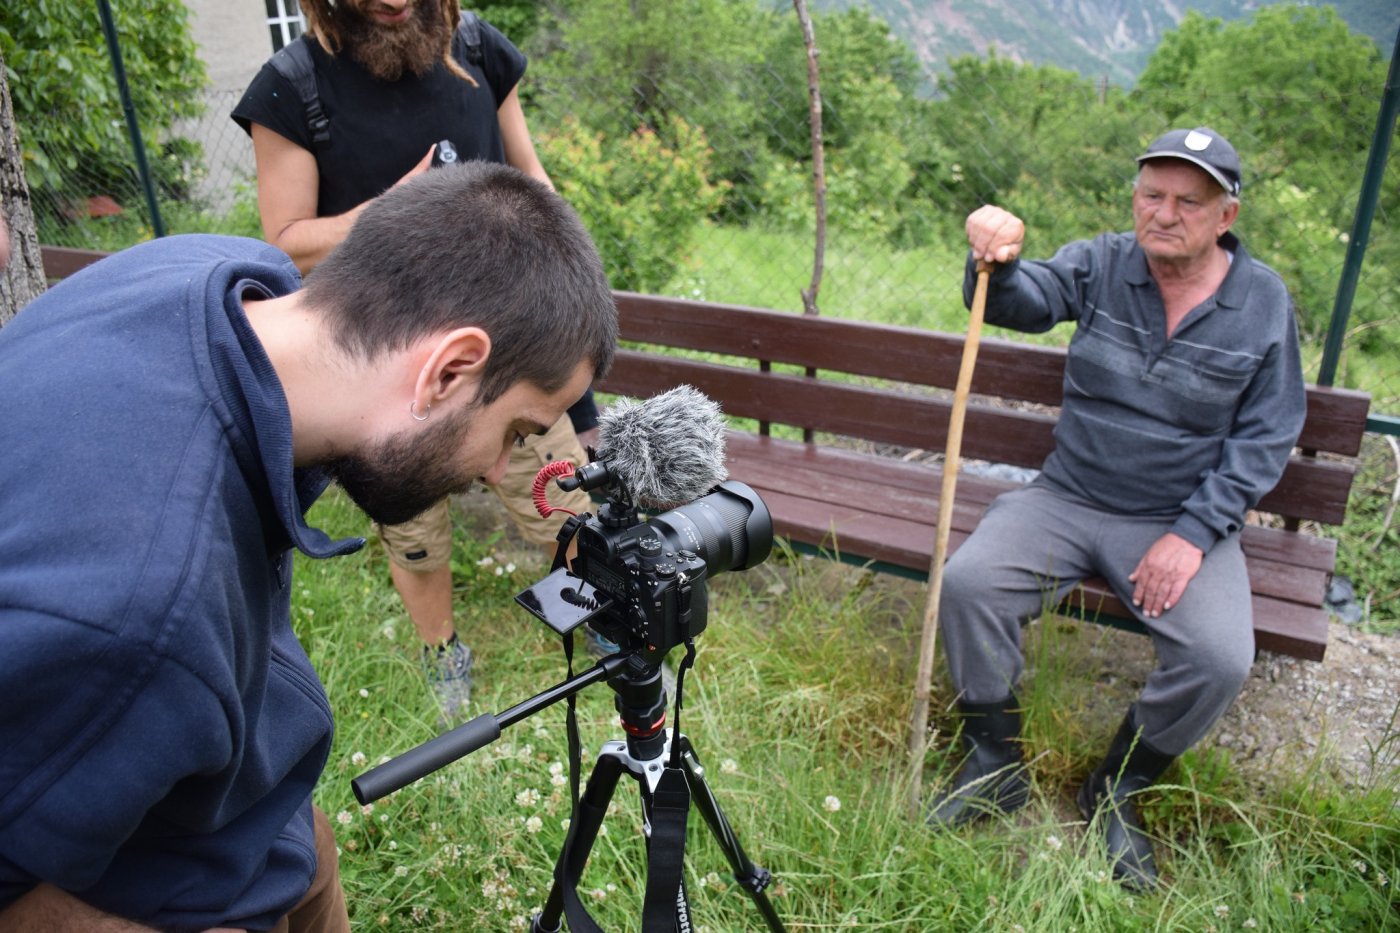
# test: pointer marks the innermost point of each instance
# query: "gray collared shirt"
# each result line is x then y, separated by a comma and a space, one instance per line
1198, 426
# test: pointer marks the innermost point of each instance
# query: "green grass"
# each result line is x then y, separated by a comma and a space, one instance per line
863, 279
798, 706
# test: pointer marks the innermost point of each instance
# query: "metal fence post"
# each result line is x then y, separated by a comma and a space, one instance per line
109, 30
1361, 225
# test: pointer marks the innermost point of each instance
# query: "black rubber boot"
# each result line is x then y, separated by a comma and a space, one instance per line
993, 775
1130, 766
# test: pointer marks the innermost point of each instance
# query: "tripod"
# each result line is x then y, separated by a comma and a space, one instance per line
666, 768
667, 791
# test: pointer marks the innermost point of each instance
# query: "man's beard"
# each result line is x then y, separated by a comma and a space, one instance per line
390, 52
401, 477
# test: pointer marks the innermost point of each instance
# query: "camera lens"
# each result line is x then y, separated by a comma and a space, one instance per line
730, 529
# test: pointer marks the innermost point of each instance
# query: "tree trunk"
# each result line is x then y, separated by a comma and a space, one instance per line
814, 108
23, 279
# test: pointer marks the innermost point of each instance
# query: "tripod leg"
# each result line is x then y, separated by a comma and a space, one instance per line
583, 831
753, 878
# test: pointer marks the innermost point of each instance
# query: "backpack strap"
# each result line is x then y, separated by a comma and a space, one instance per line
293, 62
469, 28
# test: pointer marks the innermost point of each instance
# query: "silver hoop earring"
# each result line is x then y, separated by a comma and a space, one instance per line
413, 413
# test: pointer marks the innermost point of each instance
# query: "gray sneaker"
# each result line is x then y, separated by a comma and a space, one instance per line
450, 675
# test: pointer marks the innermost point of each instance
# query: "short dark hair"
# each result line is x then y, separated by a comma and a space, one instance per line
472, 244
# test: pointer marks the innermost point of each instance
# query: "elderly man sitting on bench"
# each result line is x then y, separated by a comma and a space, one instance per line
1183, 397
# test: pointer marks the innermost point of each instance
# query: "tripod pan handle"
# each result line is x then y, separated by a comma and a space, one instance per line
426, 758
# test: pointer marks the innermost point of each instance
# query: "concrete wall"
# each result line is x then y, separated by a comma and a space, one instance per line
233, 39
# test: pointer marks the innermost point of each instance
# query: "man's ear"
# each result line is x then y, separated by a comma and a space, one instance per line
456, 362
1227, 218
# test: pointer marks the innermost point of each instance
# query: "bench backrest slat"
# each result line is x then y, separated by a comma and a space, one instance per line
920, 368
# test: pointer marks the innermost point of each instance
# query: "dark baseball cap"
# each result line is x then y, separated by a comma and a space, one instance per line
1204, 147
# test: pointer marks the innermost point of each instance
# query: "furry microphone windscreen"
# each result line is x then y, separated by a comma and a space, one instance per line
666, 450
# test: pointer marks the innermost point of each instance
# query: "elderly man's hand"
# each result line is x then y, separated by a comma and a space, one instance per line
994, 235
1162, 574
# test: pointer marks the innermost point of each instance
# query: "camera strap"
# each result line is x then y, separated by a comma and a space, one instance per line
665, 907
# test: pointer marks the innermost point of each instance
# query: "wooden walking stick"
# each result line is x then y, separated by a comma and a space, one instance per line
918, 730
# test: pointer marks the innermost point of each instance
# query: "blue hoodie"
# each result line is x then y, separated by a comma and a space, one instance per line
161, 728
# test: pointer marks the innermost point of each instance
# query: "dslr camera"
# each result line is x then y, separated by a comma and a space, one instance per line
641, 583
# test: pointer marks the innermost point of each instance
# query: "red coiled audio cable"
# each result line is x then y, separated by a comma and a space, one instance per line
537, 490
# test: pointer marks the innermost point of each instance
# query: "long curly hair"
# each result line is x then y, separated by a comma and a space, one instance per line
321, 23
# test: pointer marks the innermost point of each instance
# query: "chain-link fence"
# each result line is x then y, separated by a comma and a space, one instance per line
694, 171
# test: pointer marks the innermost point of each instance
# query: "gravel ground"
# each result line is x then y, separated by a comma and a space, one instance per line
1342, 713
1344, 709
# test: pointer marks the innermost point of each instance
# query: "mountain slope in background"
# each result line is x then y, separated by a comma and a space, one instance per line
1106, 39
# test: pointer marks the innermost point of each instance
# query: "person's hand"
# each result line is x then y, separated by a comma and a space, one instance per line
994, 234
1163, 573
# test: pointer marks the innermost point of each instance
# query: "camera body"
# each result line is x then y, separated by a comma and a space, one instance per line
642, 584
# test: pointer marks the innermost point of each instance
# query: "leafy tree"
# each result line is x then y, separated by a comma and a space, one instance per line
518, 19
641, 196
1293, 87
67, 104
21, 265
622, 65
1042, 141
869, 80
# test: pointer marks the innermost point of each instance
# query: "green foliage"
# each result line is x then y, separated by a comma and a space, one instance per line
641, 196
72, 127
1042, 142
517, 19
617, 66
868, 81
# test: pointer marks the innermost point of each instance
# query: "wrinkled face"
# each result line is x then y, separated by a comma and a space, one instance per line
402, 475
391, 38
1179, 212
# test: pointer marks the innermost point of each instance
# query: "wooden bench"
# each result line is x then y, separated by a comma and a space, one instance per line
871, 394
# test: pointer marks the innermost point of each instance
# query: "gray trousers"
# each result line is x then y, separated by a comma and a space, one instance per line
1033, 546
